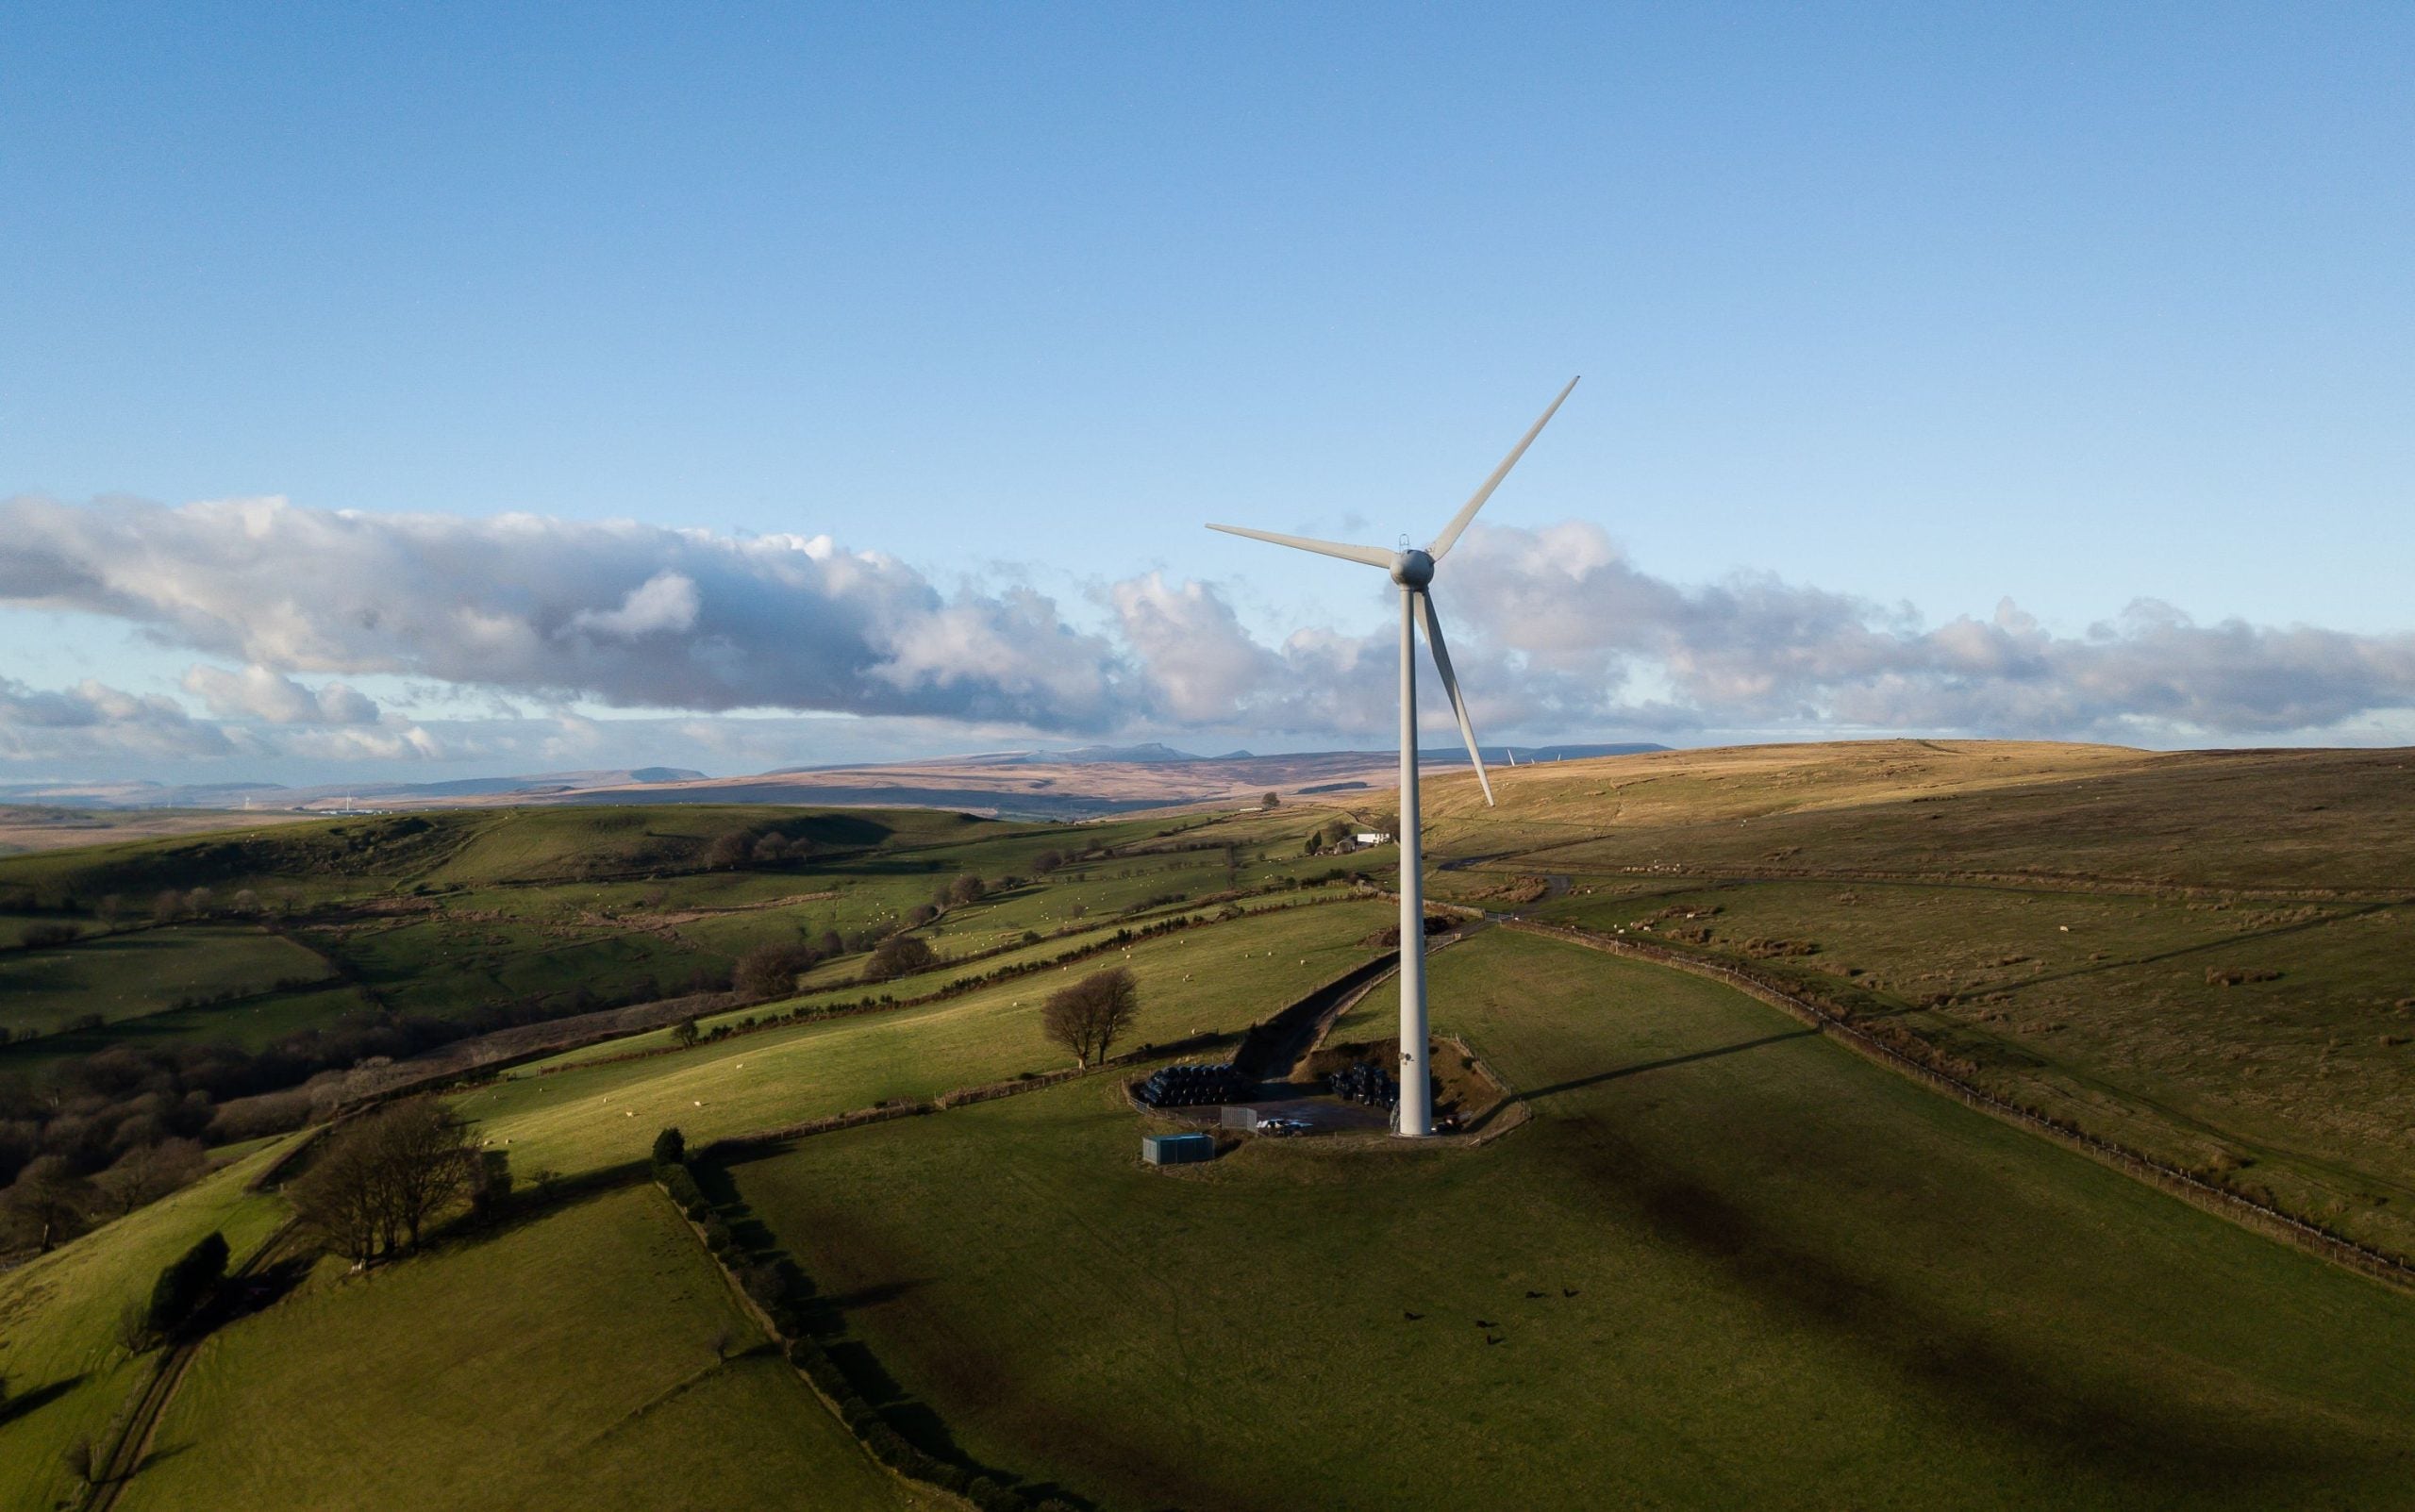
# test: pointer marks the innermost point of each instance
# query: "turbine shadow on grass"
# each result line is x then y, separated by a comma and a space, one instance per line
1597, 1078
2123, 1430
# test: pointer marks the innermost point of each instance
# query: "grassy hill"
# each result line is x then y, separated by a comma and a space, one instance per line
1219, 978
2199, 954
1769, 1271
68, 1375
1797, 1280
568, 1362
507, 914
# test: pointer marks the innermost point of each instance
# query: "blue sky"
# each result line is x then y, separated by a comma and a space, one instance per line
1900, 312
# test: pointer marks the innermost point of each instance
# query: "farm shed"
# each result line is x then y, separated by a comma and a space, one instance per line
1177, 1149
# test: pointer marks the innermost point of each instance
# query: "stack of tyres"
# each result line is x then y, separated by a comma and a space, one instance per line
1364, 1082
1190, 1086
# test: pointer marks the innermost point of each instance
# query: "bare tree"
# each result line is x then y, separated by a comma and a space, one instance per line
338, 1198
50, 1198
730, 848
1086, 1017
426, 1161
380, 1179
147, 1172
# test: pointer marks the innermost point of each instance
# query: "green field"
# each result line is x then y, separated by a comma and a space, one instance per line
1798, 1281
566, 1362
146, 971
547, 911
1218, 978
1769, 1271
2197, 953
67, 1374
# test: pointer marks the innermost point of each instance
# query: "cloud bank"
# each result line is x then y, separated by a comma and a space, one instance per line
1557, 633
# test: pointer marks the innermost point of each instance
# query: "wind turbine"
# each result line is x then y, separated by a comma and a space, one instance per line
1413, 571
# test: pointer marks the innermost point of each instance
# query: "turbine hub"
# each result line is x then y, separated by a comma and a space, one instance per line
1412, 569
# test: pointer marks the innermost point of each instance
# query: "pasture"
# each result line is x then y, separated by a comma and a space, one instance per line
1214, 979
138, 972
469, 915
568, 1361
1725, 1263
67, 1373
2197, 953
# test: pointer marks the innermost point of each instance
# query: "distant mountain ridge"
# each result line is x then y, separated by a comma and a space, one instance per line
1083, 783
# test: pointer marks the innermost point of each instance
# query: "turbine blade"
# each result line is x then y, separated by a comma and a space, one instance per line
1450, 684
1450, 535
1372, 556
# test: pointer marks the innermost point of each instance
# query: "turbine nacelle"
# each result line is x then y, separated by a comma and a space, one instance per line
1413, 570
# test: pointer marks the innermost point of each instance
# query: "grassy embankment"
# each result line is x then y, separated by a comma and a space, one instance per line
1216, 978
68, 1376
1770, 1273
2199, 955
568, 1361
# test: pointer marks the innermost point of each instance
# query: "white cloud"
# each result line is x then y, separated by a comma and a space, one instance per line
664, 604
1556, 632
91, 719
624, 614
258, 693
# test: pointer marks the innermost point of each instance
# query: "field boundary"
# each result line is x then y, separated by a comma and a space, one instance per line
1129, 933
2265, 1218
781, 1341
870, 1429
131, 1444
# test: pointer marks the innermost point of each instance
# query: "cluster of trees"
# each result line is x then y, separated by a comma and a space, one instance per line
755, 847
899, 955
383, 1178
171, 904
1086, 1017
770, 971
125, 1125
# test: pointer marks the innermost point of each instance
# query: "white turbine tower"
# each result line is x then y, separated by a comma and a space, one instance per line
1415, 571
